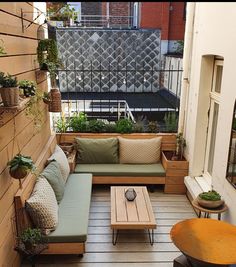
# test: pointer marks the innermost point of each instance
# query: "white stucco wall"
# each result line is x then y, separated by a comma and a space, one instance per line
214, 33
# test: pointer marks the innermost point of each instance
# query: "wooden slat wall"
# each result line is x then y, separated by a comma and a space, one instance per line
17, 132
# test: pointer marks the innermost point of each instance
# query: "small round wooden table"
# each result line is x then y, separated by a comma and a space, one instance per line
207, 212
205, 242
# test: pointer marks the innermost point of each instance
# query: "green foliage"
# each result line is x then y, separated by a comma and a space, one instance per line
65, 13
31, 235
152, 127
180, 46
138, 126
33, 109
7, 80
110, 128
210, 195
48, 56
29, 87
21, 161
96, 126
171, 121
2, 50
180, 145
62, 125
79, 122
124, 126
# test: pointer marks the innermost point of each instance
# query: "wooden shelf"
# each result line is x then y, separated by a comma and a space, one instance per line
22, 103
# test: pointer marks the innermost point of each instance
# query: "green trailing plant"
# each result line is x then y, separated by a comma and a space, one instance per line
48, 59
180, 145
33, 109
210, 195
8, 80
171, 121
79, 122
2, 50
29, 87
30, 237
180, 47
96, 126
124, 126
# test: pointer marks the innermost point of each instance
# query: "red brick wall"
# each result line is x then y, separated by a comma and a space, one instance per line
177, 23
157, 15
119, 9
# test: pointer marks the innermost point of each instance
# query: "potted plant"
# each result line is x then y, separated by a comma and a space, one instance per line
210, 199
30, 237
180, 145
61, 126
20, 166
29, 87
9, 90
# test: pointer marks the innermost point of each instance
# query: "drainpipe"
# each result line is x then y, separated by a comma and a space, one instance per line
188, 42
108, 14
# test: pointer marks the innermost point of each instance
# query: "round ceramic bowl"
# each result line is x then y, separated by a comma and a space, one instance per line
210, 204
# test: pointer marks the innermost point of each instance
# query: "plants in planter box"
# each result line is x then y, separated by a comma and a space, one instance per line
29, 87
30, 238
96, 126
180, 145
9, 90
124, 126
20, 166
79, 122
210, 199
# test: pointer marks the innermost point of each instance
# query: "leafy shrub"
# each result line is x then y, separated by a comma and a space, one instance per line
62, 125
28, 86
152, 127
110, 128
210, 195
96, 126
79, 122
124, 126
171, 121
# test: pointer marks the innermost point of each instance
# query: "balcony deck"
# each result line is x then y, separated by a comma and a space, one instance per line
133, 248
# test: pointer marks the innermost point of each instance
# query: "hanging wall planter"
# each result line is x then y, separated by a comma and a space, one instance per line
53, 100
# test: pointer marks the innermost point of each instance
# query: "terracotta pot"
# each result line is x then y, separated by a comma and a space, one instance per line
211, 204
10, 96
19, 173
68, 147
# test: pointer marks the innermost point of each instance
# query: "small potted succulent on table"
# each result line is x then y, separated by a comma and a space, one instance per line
210, 199
20, 166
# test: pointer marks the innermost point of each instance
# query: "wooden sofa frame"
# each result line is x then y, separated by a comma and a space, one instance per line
168, 143
22, 219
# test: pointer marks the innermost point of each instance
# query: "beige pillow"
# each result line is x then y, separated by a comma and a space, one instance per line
140, 151
42, 206
62, 160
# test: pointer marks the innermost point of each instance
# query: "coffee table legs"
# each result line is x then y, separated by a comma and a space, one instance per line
114, 236
151, 236
116, 232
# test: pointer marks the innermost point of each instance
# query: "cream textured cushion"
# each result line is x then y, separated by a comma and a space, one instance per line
62, 160
140, 151
42, 206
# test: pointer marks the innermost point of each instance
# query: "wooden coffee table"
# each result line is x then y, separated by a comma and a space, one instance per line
137, 214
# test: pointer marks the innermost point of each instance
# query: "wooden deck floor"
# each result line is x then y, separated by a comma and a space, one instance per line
133, 248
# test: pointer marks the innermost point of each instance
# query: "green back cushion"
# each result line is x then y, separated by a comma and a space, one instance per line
92, 150
53, 175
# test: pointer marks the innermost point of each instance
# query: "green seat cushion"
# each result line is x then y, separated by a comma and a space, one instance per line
53, 175
100, 150
122, 169
73, 210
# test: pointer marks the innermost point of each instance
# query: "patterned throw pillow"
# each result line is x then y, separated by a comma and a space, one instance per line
62, 160
42, 206
140, 151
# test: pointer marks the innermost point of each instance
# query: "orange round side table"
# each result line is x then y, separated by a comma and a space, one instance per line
206, 242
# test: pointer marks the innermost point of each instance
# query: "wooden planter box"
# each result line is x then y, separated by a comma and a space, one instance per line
176, 170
